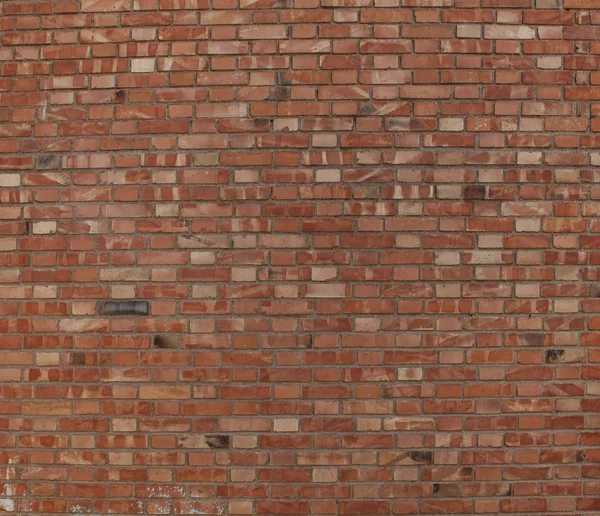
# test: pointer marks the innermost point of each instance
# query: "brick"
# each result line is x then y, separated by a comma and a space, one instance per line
105, 5
123, 307
580, 4
508, 32
324, 258
474, 192
143, 65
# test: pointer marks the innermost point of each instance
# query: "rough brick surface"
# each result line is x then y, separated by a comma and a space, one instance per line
301, 257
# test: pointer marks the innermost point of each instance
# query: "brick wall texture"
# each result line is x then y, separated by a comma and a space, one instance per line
300, 257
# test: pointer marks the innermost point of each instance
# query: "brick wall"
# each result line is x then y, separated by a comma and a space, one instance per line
301, 257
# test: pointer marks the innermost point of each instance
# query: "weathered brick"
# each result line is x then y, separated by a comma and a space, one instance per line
123, 308
367, 236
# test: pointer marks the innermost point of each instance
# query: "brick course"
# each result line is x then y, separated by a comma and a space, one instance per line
299, 257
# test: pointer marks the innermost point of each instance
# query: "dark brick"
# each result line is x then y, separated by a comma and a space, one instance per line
123, 307
165, 341
279, 93
218, 441
48, 162
77, 359
474, 192
554, 355
425, 457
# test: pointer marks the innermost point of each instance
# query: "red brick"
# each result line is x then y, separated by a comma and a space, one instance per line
366, 234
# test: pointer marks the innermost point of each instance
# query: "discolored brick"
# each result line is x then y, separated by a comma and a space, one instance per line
554, 355
474, 192
271, 257
77, 359
218, 441
123, 308
48, 161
